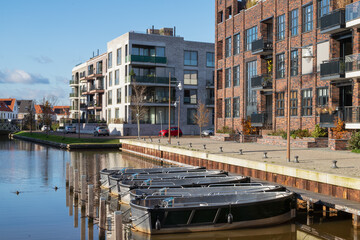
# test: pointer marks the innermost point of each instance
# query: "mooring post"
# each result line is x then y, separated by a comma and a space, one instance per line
326, 211
76, 184
118, 225
71, 178
356, 221
90, 231
310, 207
102, 218
76, 211
90, 202
71, 203
83, 189
82, 224
67, 173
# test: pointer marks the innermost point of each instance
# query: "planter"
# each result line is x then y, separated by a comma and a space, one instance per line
338, 144
232, 137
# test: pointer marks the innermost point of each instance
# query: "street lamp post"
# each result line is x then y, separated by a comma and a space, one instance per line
179, 86
160, 122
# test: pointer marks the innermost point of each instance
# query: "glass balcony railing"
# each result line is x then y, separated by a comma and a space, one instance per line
72, 82
352, 11
352, 63
73, 94
146, 59
333, 69
150, 79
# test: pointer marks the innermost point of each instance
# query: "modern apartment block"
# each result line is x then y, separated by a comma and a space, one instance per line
148, 59
252, 63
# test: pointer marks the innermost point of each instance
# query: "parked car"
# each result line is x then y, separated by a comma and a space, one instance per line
101, 131
173, 132
70, 129
45, 128
207, 132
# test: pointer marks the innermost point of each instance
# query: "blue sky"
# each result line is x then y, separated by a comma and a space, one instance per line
42, 40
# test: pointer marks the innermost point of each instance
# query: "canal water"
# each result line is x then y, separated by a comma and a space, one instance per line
36, 204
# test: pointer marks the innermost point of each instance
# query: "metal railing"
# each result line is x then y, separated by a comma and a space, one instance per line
352, 11
352, 63
332, 20
260, 46
261, 119
149, 59
73, 94
262, 81
150, 79
351, 114
210, 83
210, 101
334, 66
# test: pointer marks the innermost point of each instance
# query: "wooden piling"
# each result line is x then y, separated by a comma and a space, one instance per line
76, 180
83, 188
118, 225
326, 211
102, 218
67, 173
310, 207
76, 211
82, 224
356, 221
90, 202
71, 178
90, 231
71, 203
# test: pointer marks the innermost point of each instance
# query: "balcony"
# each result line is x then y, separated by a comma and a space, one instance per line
352, 15
352, 117
352, 66
74, 108
327, 119
97, 89
150, 79
333, 22
157, 99
73, 95
73, 82
332, 70
210, 101
190, 100
262, 82
260, 47
262, 119
92, 105
210, 84
146, 59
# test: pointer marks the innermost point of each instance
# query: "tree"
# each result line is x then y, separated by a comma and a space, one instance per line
201, 117
29, 118
47, 114
137, 103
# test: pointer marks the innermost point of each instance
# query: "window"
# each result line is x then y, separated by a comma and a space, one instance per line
90, 69
160, 51
228, 107
280, 104
190, 58
210, 59
293, 103
280, 65
323, 9
294, 22
117, 113
117, 77
220, 17
236, 107
322, 96
307, 18
109, 97
110, 60
294, 63
110, 79
228, 47
236, 78
118, 56
190, 96
228, 77
109, 115
280, 27
190, 77
99, 67
236, 44
251, 71
118, 95
191, 112
228, 12
250, 36
307, 102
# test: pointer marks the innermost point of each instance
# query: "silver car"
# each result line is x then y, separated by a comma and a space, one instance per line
207, 132
101, 131
70, 129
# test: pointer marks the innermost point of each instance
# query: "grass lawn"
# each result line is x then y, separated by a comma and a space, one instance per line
68, 140
356, 151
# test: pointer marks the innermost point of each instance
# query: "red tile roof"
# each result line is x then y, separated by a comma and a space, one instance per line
61, 110
4, 107
39, 109
10, 102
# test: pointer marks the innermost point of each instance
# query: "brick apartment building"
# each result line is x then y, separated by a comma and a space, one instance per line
252, 60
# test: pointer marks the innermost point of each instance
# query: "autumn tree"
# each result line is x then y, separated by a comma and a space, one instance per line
201, 117
138, 109
47, 105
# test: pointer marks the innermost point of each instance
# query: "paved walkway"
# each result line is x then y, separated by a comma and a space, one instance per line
319, 159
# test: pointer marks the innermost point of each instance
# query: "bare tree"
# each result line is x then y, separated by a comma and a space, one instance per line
201, 117
47, 105
29, 118
137, 103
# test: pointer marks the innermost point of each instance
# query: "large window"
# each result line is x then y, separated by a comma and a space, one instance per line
110, 60
117, 113
294, 68
294, 22
110, 97
250, 36
191, 112
251, 71
322, 97
236, 107
118, 56
307, 20
280, 27
99, 67
280, 65
307, 102
190, 96
236, 71
236, 44
117, 77
228, 107
210, 59
323, 9
228, 47
118, 95
293, 103
280, 104
110, 79
190, 58
228, 77
190, 77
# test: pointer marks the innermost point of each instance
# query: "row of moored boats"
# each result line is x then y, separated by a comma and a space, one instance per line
192, 199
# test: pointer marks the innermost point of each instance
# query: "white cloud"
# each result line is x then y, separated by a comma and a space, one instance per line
20, 76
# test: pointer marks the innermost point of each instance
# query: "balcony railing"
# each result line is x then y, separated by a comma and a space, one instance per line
146, 59
73, 94
210, 101
157, 99
333, 22
210, 83
261, 119
332, 70
72, 82
352, 63
327, 119
190, 100
352, 114
73, 108
261, 47
352, 11
262, 81
150, 79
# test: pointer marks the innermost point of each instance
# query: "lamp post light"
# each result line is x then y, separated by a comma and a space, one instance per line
179, 86
160, 122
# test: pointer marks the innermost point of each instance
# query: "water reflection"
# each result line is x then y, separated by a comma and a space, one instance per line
40, 212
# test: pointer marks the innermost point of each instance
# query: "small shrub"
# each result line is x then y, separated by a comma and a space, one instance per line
319, 132
251, 3
300, 133
354, 142
281, 133
226, 130
338, 132
248, 129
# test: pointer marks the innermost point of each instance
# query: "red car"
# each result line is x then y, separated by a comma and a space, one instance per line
173, 132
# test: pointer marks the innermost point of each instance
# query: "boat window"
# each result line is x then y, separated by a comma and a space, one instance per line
204, 216
177, 218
